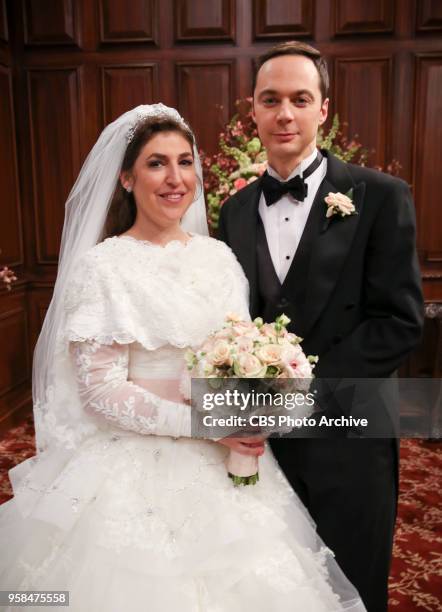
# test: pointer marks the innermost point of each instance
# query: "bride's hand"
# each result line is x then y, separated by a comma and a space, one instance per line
245, 446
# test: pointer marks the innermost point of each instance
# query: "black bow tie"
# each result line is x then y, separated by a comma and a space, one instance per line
297, 187
274, 190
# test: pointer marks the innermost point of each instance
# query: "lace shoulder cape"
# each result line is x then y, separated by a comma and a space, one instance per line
125, 290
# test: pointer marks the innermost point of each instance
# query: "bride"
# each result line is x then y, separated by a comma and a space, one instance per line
120, 506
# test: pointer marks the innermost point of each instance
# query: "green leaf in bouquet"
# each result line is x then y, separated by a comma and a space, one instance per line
254, 146
190, 359
282, 320
272, 371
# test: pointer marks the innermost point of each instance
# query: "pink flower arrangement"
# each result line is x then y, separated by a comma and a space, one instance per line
239, 183
251, 349
8, 277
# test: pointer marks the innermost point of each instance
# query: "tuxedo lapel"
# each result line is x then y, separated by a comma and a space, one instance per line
332, 241
243, 238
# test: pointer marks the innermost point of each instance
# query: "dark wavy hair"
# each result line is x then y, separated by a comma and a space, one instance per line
123, 211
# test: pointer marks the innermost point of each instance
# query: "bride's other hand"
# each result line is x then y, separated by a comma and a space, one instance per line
253, 446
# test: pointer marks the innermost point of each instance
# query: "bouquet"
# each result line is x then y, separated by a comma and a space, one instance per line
251, 349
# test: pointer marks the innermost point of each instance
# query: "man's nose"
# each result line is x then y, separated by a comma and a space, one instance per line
285, 111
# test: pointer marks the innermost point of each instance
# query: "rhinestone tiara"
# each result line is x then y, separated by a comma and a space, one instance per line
153, 110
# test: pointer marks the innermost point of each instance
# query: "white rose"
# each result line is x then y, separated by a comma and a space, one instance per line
270, 353
223, 334
244, 328
268, 331
244, 344
338, 203
220, 354
248, 366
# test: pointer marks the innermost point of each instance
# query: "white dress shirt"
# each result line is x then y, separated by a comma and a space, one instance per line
285, 220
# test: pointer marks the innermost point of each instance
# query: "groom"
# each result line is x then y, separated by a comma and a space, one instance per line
351, 286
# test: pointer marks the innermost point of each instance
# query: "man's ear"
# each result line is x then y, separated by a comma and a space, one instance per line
253, 110
324, 111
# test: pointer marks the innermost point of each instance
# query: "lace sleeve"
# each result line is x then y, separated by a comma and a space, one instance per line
101, 373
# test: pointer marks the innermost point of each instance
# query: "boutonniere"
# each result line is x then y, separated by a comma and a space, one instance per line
340, 204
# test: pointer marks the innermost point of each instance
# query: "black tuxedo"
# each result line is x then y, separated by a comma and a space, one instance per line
353, 292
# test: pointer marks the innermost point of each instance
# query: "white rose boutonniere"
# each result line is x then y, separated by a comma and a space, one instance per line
340, 204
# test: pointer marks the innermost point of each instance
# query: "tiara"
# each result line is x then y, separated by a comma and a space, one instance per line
160, 111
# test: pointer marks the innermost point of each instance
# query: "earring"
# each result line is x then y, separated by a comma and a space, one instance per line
128, 188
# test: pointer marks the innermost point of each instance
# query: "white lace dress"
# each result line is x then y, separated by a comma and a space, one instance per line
138, 515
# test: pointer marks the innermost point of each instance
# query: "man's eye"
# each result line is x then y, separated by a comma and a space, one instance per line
302, 101
269, 100
186, 162
155, 163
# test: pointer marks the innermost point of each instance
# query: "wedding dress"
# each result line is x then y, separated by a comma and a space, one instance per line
140, 516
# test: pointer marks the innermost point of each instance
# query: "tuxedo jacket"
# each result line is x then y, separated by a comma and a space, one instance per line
353, 291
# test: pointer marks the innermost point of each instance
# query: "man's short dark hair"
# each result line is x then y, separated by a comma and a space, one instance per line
294, 47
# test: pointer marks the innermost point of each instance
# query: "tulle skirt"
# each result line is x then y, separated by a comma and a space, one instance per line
145, 523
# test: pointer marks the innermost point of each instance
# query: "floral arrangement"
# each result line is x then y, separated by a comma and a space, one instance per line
251, 349
7, 277
242, 158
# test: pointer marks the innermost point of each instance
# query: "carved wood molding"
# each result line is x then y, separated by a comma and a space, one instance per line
59, 26
374, 17
11, 231
4, 34
199, 20
290, 18
128, 22
427, 160
55, 150
429, 16
124, 86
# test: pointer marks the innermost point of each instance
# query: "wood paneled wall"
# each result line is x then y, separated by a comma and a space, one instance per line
69, 67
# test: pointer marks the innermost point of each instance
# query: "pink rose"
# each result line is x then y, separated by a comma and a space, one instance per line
248, 366
223, 334
268, 331
220, 354
242, 328
240, 183
270, 354
244, 344
292, 353
296, 363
